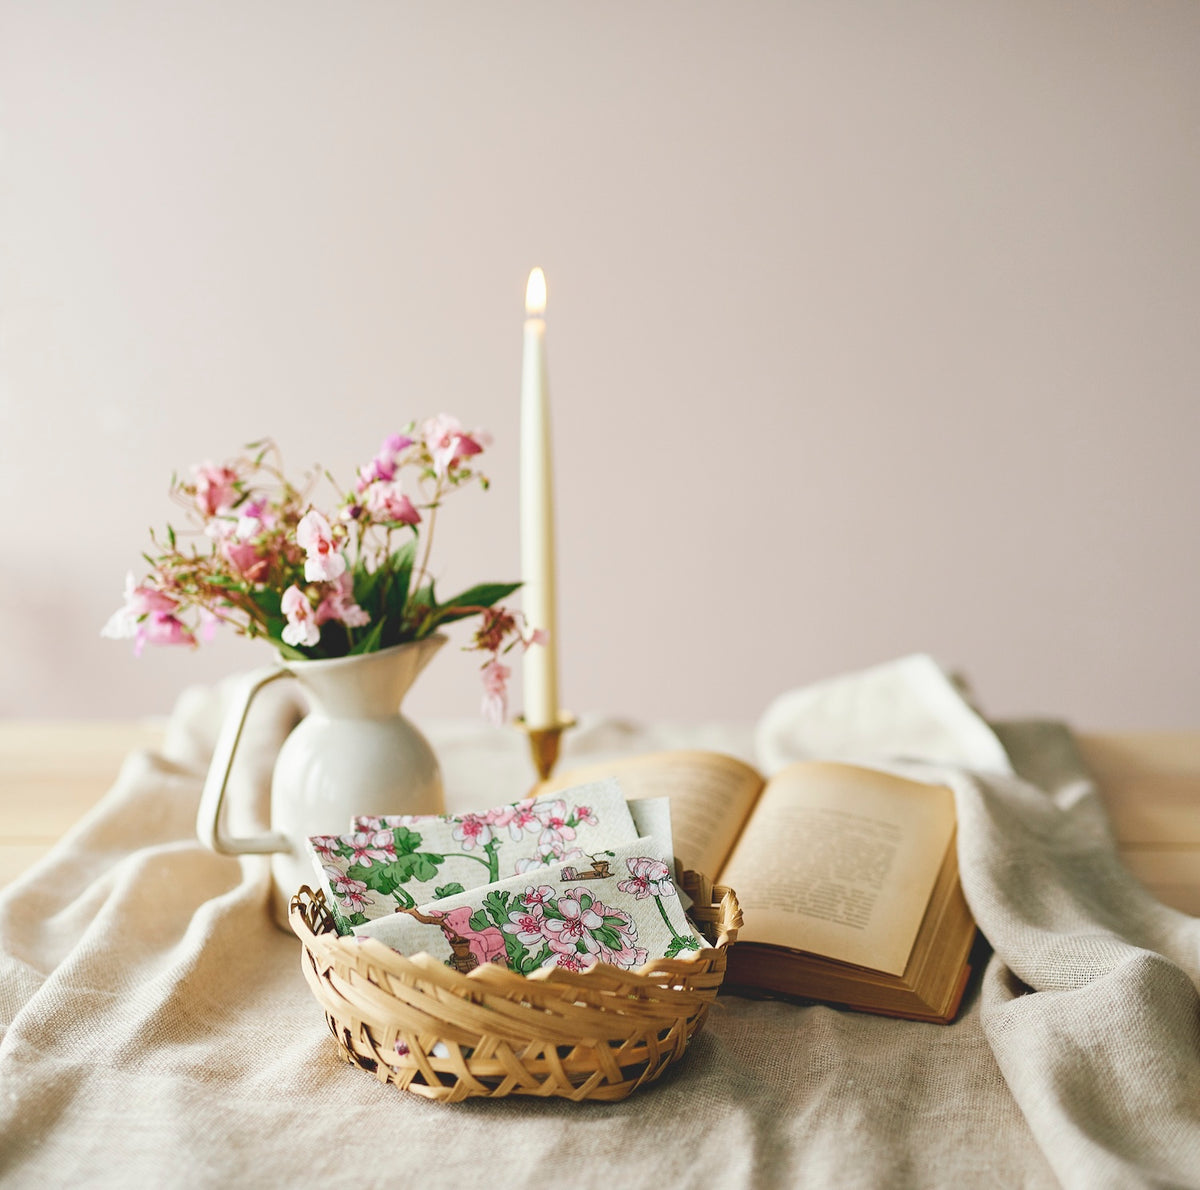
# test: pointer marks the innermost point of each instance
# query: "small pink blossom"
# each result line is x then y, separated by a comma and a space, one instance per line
575, 926
150, 616
301, 629
367, 847
216, 488
495, 691
472, 830
537, 896
386, 502
325, 847
539, 636
554, 824
246, 559
254, 517
528, 925
519, 819
648, 878
570, 960
448, 442
585, 814
324, 562
383, 465
338, 604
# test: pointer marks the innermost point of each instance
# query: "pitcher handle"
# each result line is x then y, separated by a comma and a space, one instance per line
208, 817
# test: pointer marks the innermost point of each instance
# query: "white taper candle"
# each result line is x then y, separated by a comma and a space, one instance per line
540, 690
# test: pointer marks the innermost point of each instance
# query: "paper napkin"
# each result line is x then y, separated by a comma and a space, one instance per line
401, 862
620, 908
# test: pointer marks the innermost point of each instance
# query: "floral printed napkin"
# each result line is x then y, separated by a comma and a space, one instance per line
622, 909
394, 863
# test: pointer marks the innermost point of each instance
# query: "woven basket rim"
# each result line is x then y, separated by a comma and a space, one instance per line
352, 949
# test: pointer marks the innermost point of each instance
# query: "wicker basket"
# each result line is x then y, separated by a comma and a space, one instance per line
598, 1034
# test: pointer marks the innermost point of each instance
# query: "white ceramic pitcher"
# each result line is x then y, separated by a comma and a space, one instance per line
354, 753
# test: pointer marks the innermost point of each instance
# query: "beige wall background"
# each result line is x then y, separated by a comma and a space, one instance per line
873, 326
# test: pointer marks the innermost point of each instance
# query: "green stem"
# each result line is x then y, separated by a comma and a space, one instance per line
666, 920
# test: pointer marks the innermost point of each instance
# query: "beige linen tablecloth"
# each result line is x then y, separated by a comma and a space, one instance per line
157, 1030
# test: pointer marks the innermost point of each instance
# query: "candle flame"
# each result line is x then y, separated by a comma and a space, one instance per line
535, 294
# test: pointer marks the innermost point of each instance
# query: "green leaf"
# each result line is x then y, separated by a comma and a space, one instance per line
417, 866
478, 921
286, 651
379, 877
470, 601
678, 944
405, 841
370, 642
403, 899
608, 936
496, 904
447, 890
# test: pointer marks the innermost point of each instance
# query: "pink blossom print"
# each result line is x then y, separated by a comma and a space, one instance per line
472, 831
648, 878
555, 828
520, 819
576, 926
528, 924
368, 847
538, 896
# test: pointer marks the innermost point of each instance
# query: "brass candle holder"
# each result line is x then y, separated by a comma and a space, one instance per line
544, 742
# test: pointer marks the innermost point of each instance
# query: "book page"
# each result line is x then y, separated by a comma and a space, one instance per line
840, 861
711, 797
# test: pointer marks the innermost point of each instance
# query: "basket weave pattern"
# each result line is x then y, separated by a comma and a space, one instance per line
428, 1029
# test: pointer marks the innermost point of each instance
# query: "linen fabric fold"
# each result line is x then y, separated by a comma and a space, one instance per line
157, 1028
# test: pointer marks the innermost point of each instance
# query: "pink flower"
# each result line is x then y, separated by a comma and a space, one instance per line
368, 846
539, 636
246, 560
649, 878
383, 465
570, 960
301, 629
575, 926
585, 814
555, 830
537, 896
352, 894
254, 517
495, 691
448, 442
387, 502
149, 616
519, 819
325, 847
216, 490
324, 562
527, 925
338, 604
471, 830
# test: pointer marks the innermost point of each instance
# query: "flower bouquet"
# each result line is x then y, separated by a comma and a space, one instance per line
259, 556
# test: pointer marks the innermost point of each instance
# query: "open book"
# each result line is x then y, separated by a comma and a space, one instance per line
847, 877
